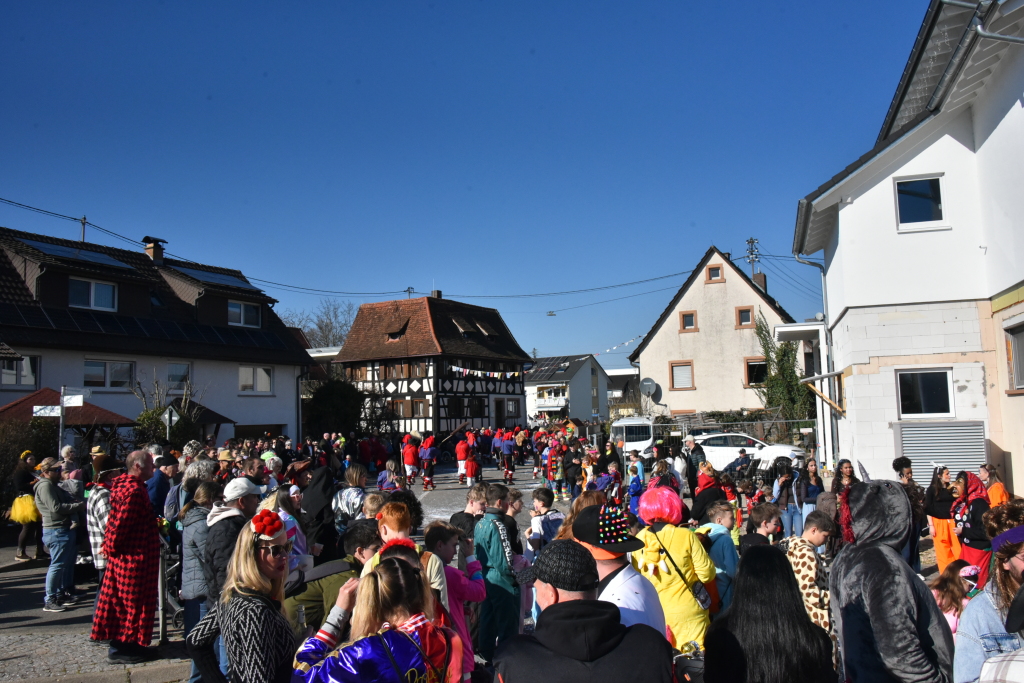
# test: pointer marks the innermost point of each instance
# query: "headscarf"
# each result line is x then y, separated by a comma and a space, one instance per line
974, 490
706, 482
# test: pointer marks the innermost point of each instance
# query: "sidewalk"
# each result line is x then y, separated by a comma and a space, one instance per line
38, 646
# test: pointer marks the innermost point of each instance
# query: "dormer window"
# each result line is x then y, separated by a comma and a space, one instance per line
394, 336
243, 314
101, 296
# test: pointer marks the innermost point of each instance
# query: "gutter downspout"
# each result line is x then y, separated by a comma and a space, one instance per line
829, 363
298, 404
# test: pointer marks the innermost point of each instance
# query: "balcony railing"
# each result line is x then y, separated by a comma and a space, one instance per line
548, 403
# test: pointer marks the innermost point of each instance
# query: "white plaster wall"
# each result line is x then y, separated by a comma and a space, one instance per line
717, 349
872, 407
216, 384
912, 329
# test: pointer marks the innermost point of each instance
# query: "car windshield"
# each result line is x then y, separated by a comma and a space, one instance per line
638, 433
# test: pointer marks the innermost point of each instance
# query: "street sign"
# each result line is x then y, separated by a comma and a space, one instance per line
675, 433
73, 401
45, 411
170, 417
78, 391
647, 386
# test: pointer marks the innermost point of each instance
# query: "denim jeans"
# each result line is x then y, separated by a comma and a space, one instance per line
792, 520
223, 657
60, 577
195, 610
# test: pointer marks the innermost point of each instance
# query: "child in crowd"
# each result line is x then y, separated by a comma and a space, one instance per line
764, 520
393, 522
495, 541
463, 586
614, 489
515, 502
372, 504
753, 494
809, 567
635, 460
722, 551
733, 496
544, 522
476, 502
952, 590
636, 488
634, 523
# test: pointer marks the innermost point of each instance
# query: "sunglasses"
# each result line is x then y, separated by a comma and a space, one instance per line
277, 551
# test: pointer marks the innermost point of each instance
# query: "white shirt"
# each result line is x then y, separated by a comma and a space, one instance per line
637, 599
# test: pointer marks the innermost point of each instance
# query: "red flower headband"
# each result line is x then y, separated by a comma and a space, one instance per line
267, 525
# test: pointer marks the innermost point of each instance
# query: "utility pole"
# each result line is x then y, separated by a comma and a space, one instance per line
83, 228
753, 255
408, 292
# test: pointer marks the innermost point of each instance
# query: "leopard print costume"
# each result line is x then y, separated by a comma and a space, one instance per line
807, 565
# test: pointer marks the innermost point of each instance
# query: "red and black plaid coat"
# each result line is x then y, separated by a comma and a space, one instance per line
128, 597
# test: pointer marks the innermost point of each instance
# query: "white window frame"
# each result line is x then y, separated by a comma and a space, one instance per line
925, 416
254, 391
19, 366
241, 313
92, 294
1017, 351
106, 374
170, 385
924, 226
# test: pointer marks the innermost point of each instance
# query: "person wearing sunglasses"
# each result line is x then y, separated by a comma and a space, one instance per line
257, 637
58, 510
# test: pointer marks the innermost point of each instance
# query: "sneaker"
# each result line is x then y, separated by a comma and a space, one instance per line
51, 606
68, 600
125, 658
22, 556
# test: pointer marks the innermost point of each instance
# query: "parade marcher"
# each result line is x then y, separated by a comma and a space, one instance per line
938, 505
24, 510
128, 596
98, 512
495, 543
604, 531
578, 637
952, 590
464, 586
247, 617
989, 476
393, 638
968, 514
887, 622
472, 467
428, 459
983, 631
59, 512
674, 560
461, 456
411, 456
766, 635
508, 463
193, 581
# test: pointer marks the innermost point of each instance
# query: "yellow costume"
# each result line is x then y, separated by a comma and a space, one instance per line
685, 618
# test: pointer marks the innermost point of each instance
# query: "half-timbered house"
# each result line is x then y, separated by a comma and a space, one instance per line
434, 364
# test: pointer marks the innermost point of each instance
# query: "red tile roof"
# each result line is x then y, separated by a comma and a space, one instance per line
85, 416
428, 326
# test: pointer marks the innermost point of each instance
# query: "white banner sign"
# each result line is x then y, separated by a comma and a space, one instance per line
74, 401
46, 411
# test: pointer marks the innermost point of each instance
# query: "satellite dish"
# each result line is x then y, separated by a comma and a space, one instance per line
648, 386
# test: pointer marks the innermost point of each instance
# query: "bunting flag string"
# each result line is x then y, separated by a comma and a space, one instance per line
573, 360
466, 372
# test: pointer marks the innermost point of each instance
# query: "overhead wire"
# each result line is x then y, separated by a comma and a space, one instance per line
629, 296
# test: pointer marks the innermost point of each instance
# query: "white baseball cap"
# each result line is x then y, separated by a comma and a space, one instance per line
240, 486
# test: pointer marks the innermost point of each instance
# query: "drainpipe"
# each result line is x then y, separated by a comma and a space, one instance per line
829, 366
298, 404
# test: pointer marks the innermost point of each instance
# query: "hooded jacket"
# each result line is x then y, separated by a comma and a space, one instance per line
195, 530
583, 640
888, 624
224, 526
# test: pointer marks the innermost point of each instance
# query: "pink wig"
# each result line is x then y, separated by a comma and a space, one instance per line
661, 504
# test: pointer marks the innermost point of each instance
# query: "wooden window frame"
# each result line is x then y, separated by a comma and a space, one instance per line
753, 320
707, 273
418, 369
693, 379
398, 408
518, 405
421, 403
746, 375
682, 326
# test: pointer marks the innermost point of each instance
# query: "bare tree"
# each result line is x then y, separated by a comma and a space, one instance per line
326, 325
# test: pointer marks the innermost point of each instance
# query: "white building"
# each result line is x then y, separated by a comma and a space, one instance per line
924, 256
567, 386
702, 351
85, 315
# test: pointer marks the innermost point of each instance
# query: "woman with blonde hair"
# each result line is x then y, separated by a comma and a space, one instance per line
585, 499
257, 637
392, 639
989, 476
286, 501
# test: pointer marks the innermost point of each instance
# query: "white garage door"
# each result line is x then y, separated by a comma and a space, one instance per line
957, 445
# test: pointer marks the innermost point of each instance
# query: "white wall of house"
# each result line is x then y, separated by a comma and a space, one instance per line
215, 383
717, 350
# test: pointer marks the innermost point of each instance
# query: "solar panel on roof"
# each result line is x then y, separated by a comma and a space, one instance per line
34, 316
61, 251
9, 315
247, 339
131, 326
275, 341
172, 330
61, 319
85, 321
191, 331
152, 328
210, 334
108, 322
216, 278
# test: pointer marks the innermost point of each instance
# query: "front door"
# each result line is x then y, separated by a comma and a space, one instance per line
499, 413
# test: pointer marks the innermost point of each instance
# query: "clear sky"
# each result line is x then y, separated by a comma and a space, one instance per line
476, 147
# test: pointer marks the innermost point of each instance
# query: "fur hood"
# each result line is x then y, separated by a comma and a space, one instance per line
876, 512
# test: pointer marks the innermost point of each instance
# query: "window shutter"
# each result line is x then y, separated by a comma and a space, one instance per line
682, 376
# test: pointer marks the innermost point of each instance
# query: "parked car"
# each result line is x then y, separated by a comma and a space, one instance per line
721, 449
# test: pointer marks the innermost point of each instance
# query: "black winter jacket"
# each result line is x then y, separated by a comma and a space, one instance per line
584, 640
220, 544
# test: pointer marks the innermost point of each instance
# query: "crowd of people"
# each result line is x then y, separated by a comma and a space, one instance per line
294, 569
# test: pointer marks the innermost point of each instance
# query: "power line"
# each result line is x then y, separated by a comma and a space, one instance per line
792, 282
572, 291
629, 296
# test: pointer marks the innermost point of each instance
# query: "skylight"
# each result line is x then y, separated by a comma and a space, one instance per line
73, 254
216, 278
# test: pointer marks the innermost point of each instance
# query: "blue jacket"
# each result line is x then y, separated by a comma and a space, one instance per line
508, 447
158, 486
635, 490
979, 635
723, 554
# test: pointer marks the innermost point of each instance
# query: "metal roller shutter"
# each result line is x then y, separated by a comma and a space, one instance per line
957, 445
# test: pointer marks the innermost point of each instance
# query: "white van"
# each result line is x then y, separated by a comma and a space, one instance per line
636, 433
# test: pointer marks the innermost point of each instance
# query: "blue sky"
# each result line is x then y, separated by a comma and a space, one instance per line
480, 148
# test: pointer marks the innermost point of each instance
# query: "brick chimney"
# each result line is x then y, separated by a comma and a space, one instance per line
435, 294
155, 249
761, 280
